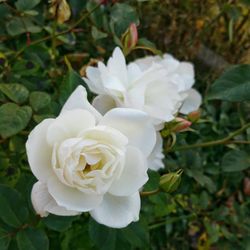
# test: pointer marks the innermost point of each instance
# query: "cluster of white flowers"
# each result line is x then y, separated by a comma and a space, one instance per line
95, 158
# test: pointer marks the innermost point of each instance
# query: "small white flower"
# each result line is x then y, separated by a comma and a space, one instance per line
131, 86
88, 162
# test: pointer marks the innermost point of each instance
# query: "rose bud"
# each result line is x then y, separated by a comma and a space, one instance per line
194, 116
130, 38
171, 181
181, 124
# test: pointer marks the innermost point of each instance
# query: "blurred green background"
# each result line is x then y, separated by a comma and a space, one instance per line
42, 55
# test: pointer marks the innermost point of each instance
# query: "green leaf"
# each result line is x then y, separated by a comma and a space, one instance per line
12, 210
136, 235
122, 15
235, 161
133, 236
97, 34
17, 26
13, 119
4, 11
76, 237
233, 85
71, 81
4, 239
26, 4
14, 27
15, 92
153, 182
39, 100
103, 237
31, 12
30, 26
148, 45
32, 239
59, 223
26, 68
202, 179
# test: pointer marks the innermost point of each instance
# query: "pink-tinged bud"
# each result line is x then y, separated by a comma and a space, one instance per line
130, 38
181, 124
194, 116
133, 35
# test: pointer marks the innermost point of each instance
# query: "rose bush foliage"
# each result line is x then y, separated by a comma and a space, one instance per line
48, 50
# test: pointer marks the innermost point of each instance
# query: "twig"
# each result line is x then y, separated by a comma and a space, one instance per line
217, 142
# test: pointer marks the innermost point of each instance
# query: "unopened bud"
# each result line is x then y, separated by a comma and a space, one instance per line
171, 181
194, 116
181, 124
130, 37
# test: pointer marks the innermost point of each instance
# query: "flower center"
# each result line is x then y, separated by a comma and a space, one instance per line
88, 164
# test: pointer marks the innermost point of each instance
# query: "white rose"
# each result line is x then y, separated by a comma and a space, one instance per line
179, 73
88, 162
121, 85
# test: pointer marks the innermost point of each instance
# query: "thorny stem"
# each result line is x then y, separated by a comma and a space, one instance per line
225, 140
19, 52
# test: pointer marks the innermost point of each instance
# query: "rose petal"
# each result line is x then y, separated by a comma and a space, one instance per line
117, 212
185, 71
192, 101
106, 135
72, 198
94, 80
109, 80
134, 174
162, 101
69, 124
39, 152
135, 125
78, 100
44, 204
103, 103
156, 157
117, 66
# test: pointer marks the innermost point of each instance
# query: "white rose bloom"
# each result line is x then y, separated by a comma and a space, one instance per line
131, 86
88, 162
158, 86
179, 73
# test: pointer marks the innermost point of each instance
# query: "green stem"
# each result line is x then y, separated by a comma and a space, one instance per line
53, 40
148, 193
154, 51
19, 52
171, 220
212, 143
